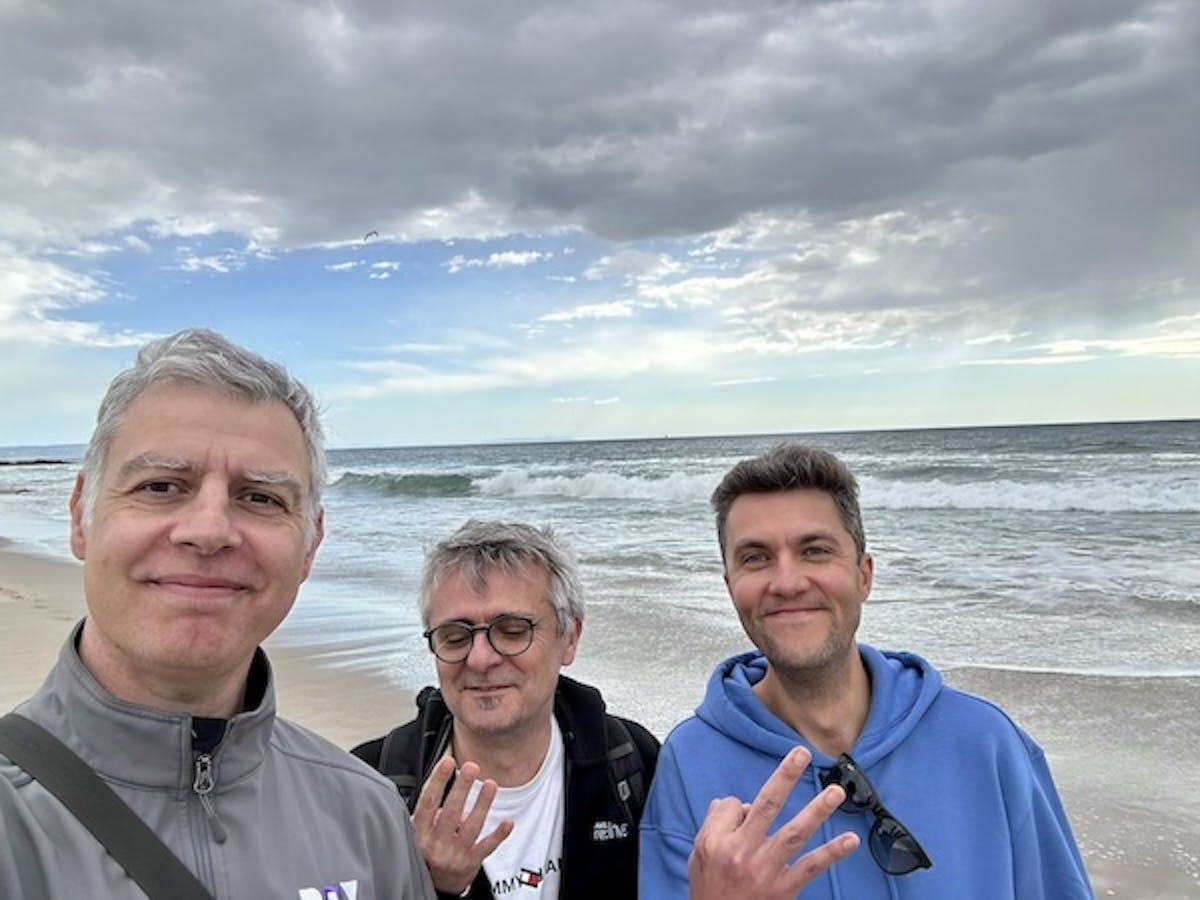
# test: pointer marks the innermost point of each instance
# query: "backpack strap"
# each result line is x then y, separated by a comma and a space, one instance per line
409, 752
407, 786
128, 839
626, 771
400, 748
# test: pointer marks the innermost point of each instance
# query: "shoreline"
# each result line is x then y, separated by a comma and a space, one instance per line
1111, 741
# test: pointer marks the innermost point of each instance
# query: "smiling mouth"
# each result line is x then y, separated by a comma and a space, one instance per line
198, 587
796, 612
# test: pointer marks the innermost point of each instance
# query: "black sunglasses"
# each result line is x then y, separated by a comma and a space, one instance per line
892, 845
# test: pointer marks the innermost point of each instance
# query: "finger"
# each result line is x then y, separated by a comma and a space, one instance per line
456, 800
487, 844
813, 863
474, 821
796, 831
775, 791
723, 816
429, 801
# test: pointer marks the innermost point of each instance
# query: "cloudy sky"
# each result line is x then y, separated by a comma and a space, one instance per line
493, 221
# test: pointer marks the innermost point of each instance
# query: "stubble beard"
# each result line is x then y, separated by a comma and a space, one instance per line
805, 666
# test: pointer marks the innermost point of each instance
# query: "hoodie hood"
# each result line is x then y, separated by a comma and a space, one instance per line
903, 686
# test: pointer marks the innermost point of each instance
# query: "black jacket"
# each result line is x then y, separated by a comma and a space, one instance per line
600, 839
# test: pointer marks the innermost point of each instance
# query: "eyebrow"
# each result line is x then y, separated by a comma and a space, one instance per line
153, 461
746, 542
144, 461
463, 620
808, 537
275, 479
283, 482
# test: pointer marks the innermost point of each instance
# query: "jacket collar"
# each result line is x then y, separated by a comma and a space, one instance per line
140, 745
578, 707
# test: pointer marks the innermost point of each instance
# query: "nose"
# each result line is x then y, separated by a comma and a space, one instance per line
206, 522
483, 655
789, 575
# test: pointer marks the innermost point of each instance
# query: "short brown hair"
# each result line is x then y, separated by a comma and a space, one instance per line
792, 467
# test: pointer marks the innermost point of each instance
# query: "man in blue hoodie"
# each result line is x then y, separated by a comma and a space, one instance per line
948, 796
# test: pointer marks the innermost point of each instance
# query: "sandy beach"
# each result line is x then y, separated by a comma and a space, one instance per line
1123, 750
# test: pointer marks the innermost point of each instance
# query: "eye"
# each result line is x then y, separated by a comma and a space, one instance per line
261, 498
453, 637
752, 559
162, 488
512, 627
817, 551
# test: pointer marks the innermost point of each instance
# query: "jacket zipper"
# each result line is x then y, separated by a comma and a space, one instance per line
202, 786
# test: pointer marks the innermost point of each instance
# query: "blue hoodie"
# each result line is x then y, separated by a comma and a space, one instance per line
972, 787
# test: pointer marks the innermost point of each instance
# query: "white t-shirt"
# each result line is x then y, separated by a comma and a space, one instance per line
529, 861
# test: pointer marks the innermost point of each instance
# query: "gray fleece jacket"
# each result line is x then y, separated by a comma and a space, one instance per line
274, 811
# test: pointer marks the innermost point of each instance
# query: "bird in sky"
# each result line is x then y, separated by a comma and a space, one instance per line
370, 234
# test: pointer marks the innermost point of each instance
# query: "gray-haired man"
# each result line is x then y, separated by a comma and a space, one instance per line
504, 613
197, 515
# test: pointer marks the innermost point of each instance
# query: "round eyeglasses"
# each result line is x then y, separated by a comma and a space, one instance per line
509, 635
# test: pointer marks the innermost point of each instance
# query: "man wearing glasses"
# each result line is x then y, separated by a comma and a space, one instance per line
565, 781
950, 798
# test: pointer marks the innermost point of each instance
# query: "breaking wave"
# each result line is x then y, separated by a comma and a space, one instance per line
1147, 494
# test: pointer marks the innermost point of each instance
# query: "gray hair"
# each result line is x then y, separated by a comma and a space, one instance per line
791, 467
209, 360
479, 548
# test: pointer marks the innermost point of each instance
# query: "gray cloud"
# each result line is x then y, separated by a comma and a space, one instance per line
1060, 138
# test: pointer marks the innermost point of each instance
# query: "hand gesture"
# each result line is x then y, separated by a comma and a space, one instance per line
733, 857
448, 840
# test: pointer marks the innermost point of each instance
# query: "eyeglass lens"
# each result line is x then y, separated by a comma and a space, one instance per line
894, 849
508, 635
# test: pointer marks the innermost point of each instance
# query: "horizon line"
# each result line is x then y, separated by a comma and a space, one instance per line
513, 441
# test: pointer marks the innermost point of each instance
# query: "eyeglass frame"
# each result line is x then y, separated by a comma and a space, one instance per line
848, 774
486, 628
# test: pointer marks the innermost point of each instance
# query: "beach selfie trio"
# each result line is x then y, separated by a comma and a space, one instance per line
151, 762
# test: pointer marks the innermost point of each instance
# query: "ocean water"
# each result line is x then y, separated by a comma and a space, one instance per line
1068, 548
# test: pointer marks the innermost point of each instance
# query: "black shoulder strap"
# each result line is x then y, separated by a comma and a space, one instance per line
625, 769
129, 840
410, 752
394, 760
